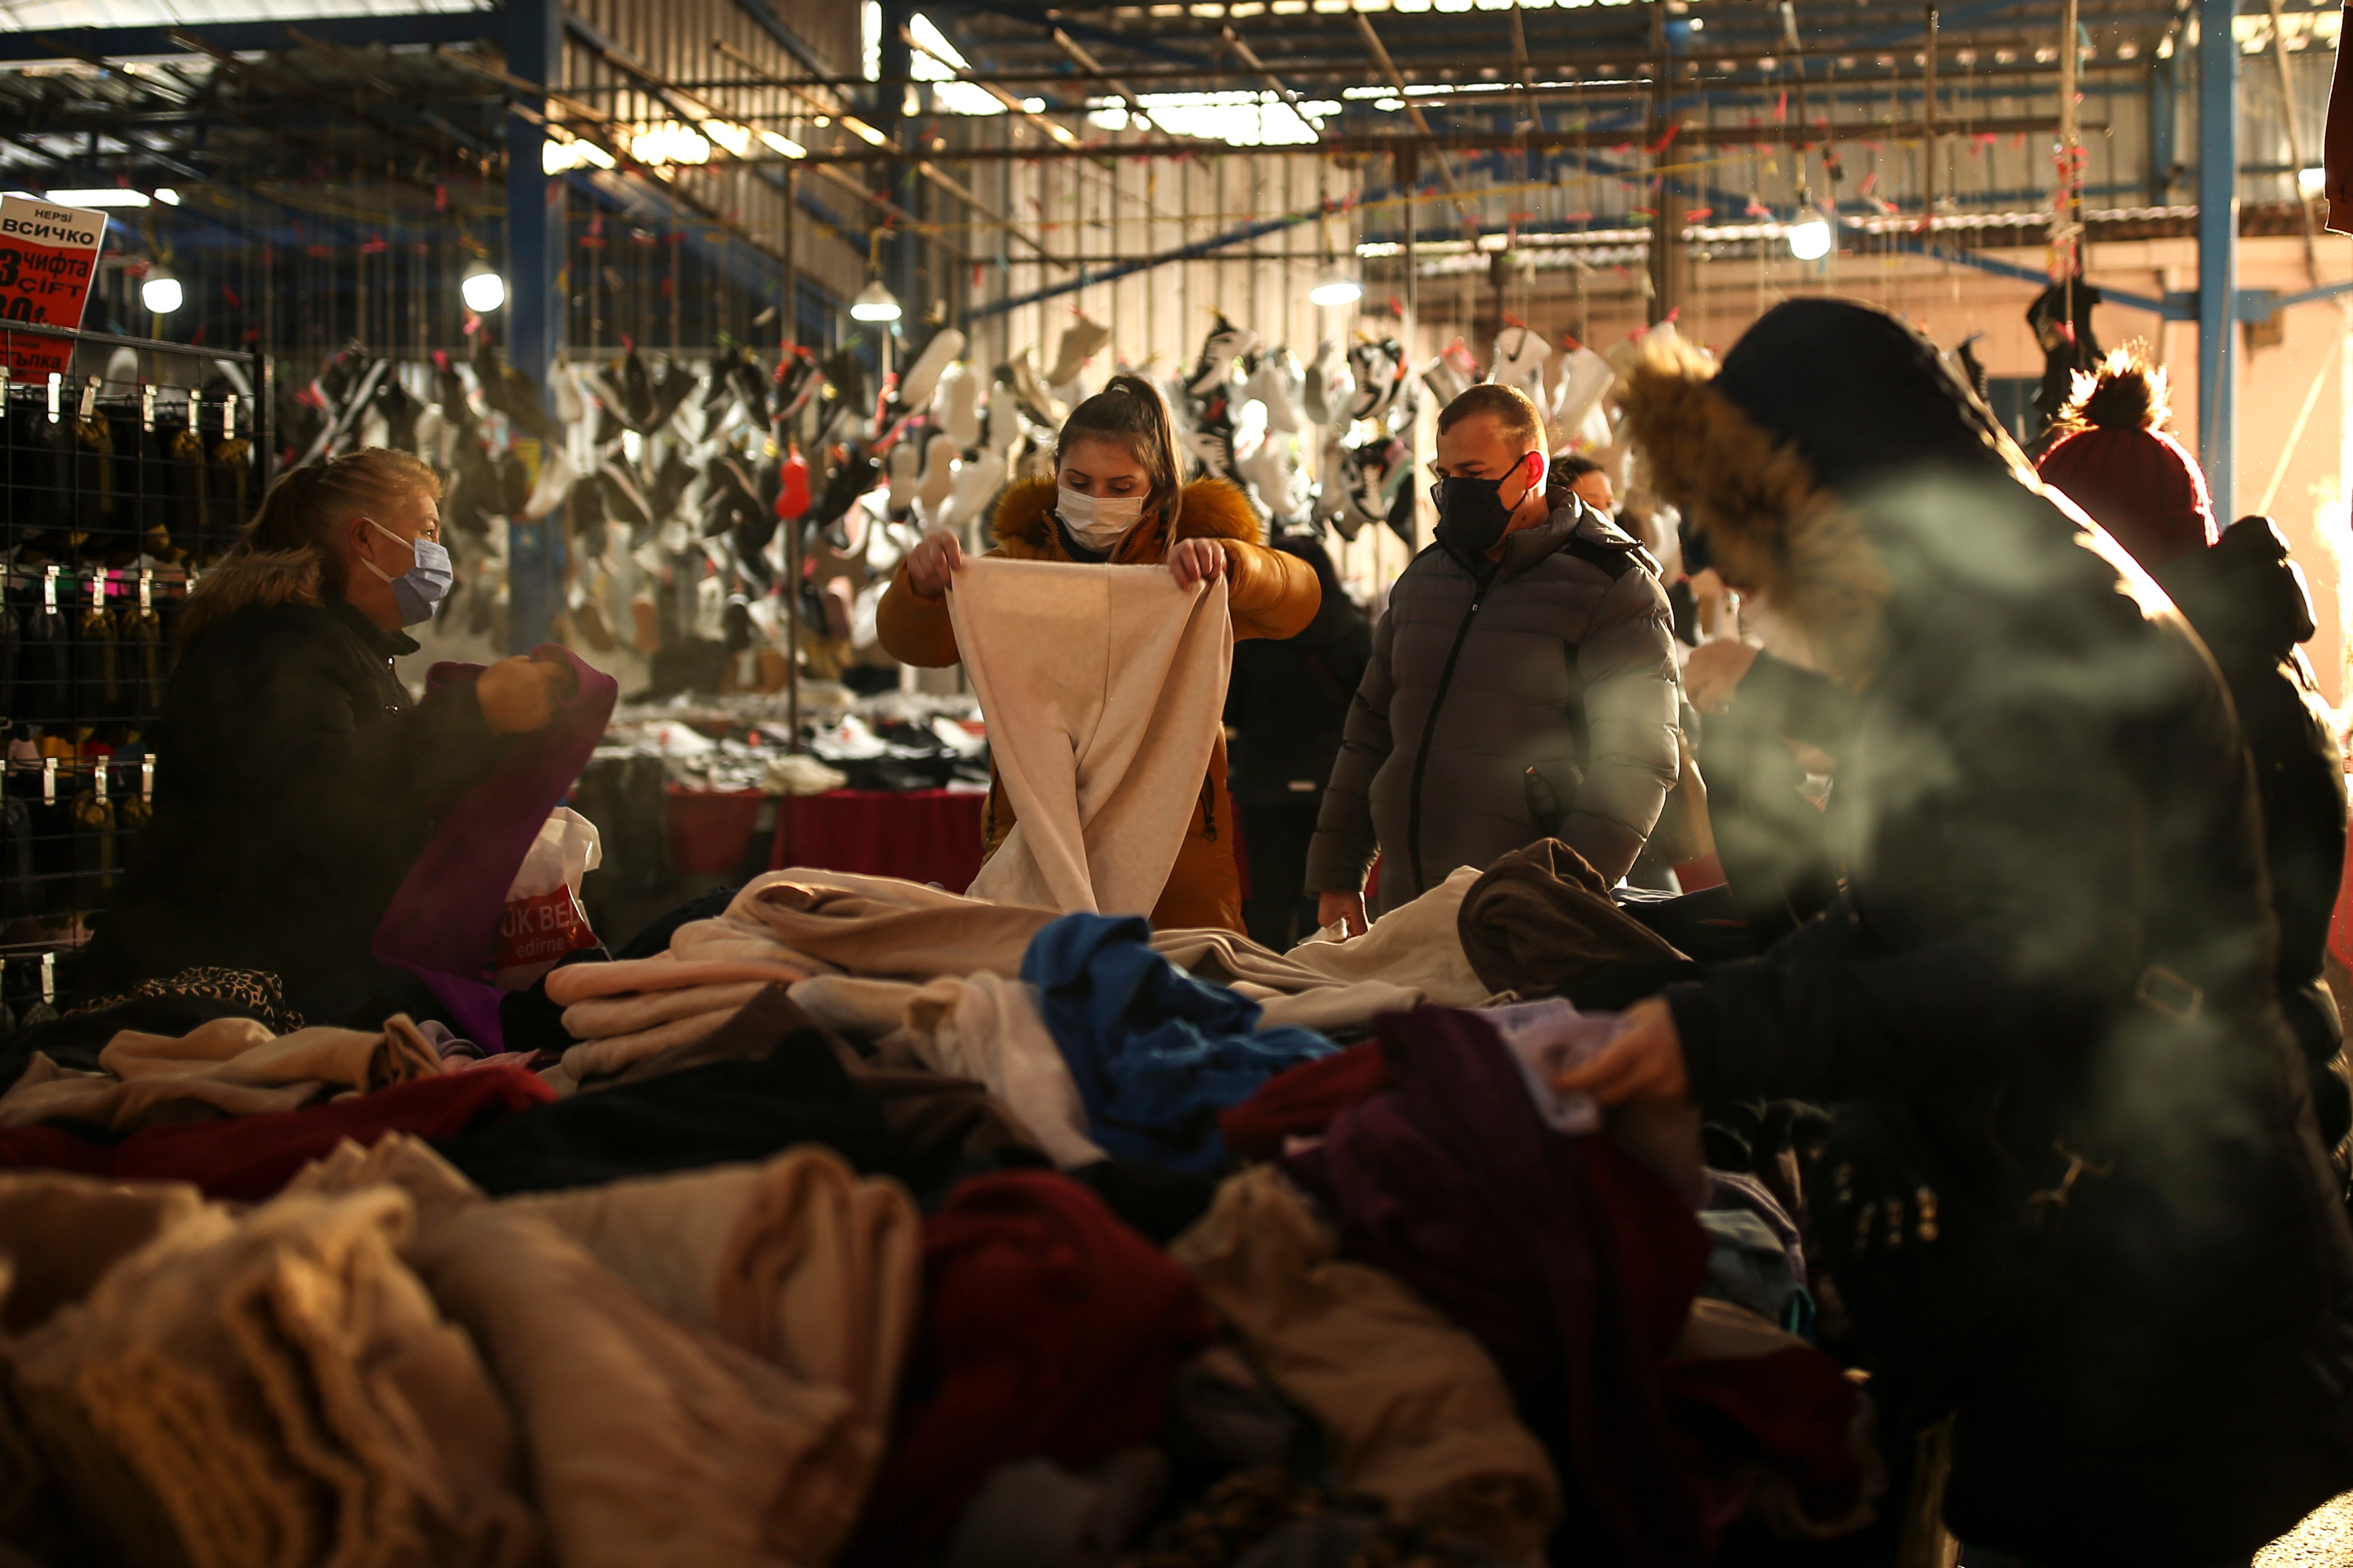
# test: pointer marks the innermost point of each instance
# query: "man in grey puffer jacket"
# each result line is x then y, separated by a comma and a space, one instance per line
1522, 685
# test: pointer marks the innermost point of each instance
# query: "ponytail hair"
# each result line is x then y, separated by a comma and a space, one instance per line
289, 549
1130, 410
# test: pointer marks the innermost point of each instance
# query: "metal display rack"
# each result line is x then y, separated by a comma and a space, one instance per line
125, 470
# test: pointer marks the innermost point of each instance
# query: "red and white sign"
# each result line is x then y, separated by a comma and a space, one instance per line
48, 256
541, 928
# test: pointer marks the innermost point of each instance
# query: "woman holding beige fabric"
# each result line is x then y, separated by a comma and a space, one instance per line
1117, 498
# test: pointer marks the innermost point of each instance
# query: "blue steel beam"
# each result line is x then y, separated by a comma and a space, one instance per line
1199, 247
536, 291
787, 39
2218, 246
413, 28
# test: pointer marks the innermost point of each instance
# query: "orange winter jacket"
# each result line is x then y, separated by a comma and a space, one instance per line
1268, 594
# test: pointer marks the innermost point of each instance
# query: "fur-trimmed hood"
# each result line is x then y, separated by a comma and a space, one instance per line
1818, 402
247, 578
1211, 508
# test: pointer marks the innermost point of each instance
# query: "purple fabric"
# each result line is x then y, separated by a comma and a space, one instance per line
443, 923
1535, 1243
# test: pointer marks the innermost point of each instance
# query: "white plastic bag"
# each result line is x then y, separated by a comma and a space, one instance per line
544, 919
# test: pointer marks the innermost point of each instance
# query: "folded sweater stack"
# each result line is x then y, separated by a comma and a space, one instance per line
229, 1067
785, 926
384, 1366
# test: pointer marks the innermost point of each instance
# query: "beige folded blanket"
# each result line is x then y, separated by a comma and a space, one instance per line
233, 1066
797, 1260
601, 1017
272, 1390
618, 1053
242, 1050
1415, 946
579, 982
860, 1009
880, 926
47, 1092
652, 1443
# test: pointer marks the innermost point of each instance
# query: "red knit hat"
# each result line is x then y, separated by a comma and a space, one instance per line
2121, 467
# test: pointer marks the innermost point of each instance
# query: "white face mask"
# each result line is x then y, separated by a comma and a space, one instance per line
1098, 521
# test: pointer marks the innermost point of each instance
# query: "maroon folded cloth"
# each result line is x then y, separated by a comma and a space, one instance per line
1791, 1409
1302, 1101
1048, 1327
1573, 1266
443, 923
249, 1158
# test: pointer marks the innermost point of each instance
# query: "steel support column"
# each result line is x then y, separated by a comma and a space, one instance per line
902, 263
535, 299
2218, 246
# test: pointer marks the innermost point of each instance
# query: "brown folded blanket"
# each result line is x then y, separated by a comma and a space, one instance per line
1540, 918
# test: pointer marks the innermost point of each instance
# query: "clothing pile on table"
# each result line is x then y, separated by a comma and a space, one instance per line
841, 1218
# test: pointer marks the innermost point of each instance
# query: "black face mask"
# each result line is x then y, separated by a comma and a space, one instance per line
1472, 513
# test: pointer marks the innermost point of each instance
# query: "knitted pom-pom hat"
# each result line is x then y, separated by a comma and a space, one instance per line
2118, 463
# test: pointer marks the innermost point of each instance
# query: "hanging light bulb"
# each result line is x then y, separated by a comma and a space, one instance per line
160, 291
483, 290
1337, 286
1809, 238
875, 303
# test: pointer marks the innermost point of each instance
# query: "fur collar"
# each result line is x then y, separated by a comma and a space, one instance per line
1773, 530
247, 578
1212, 509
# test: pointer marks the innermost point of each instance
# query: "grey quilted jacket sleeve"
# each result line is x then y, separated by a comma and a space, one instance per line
1633, 700
1345, 844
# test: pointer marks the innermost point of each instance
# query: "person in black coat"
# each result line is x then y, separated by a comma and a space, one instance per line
2074, 1196
296, 779
2248, 600
1286, 705
2116, 457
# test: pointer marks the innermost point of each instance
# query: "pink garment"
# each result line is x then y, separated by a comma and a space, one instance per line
443, 923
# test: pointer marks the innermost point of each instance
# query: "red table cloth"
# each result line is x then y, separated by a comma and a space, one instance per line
923, 836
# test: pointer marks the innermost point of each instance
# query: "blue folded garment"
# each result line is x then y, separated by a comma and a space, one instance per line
1156, 1053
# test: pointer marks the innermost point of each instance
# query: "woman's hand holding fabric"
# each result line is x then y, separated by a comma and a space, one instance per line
1643, 1065
519, 694
932, 564
1196, 561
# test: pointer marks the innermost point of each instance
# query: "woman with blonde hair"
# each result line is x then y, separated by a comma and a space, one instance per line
296, 779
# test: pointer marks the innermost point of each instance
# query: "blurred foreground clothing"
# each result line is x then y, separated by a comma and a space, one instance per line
2248, 600
2074, 1189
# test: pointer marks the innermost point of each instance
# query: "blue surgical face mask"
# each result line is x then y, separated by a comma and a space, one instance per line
420, 588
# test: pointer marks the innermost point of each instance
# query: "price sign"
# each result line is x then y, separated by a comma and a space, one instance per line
49, 255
